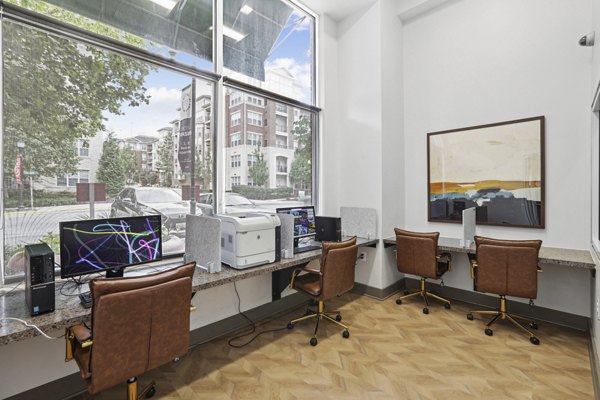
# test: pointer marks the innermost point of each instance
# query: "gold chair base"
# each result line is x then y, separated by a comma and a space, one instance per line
319, 315
132, 390
424, 294
503, 314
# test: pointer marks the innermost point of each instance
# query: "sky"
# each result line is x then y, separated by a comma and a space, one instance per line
292, 50
476, 154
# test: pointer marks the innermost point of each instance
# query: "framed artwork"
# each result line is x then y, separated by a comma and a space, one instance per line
497, 168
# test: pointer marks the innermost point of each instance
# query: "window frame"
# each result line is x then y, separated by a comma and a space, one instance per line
219, 82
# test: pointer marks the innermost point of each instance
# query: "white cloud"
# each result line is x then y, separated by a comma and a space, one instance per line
304, 25
146, 119
302, 72
164, 96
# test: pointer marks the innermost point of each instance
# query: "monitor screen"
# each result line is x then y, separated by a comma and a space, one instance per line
304, 220
96, 245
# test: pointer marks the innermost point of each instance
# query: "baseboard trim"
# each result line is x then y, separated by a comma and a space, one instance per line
574, 321
594, 362
72, 385
379, 294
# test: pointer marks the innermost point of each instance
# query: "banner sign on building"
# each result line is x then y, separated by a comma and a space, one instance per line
184, 154
19, 169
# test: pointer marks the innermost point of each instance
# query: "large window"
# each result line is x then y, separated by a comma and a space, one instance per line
277, 175
270, 44
115, 129
112, 102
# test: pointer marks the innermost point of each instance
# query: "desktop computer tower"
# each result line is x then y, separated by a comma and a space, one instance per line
39, 278
329, 229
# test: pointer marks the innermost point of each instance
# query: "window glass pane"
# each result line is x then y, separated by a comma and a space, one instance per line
132, 119
175, 29
272, 166
269, 44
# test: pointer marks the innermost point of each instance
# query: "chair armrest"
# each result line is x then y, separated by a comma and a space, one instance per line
446, 257
474, 266
298, 270
76, 335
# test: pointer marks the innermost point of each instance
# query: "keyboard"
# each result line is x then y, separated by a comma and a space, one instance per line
305, 248
86, 299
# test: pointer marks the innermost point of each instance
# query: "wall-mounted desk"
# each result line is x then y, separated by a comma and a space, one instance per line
69, 311
548, 255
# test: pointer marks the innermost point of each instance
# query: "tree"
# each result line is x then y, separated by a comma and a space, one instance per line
204, 170
259, 171
301, 169
57, 90
110, 167
129, 164
165, 157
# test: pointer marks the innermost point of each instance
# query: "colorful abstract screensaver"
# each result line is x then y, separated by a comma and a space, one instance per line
97, 245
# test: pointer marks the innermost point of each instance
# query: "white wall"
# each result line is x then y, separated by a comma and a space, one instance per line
474, 62
352, 139
595, 167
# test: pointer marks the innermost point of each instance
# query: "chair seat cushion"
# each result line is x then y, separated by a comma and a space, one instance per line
308, 283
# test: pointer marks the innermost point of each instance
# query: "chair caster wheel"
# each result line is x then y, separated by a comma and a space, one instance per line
470, 317
426, 310
489, 332
338, 318
151, 392
313, 341
346, 334
290, 325
406, 292
398, 301
447, 306
534, 340
533, 325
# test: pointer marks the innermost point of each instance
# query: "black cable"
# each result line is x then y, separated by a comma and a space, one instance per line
11, 290
253, 328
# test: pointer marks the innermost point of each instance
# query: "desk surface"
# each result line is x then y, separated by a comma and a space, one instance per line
69, 311
548, 255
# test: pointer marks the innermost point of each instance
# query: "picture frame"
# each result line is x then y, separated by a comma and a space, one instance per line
498, 168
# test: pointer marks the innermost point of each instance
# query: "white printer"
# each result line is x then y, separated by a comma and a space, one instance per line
249, 239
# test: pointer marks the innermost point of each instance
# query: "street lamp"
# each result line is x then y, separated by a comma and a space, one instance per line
20, 148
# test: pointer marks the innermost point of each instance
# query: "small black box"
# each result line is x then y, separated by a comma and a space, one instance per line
39, 278
329, 229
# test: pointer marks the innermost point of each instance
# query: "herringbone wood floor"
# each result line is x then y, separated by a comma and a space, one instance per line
394, 352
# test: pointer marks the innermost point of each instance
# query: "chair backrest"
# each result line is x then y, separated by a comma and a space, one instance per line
138, 323
338, 262
507, 267
416, 252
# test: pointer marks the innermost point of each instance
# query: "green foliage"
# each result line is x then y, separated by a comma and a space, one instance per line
41, 198
165, 158
56, 90
110, 167
148, 178
129, 164
259, 171
262, 193
301, 169
204, 171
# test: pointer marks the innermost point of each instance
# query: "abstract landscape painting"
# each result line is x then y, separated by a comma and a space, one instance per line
497, 168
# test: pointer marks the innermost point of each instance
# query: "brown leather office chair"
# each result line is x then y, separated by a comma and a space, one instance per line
138, 324
336, 277
417, 254
506, 268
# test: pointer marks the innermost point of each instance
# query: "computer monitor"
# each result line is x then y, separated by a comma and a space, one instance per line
110, 244
304, 220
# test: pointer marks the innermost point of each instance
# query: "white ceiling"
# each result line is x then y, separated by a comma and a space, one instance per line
337, 9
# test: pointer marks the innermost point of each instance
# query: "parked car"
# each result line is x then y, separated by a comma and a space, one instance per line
134, 201
233, 203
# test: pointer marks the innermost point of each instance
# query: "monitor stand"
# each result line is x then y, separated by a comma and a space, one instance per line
115, 273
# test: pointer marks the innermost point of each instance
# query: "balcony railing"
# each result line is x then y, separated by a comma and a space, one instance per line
282, 169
